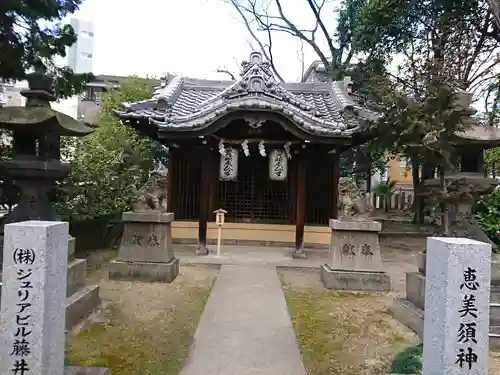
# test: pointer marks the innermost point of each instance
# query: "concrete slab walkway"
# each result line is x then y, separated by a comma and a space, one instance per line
254, 256
245, 328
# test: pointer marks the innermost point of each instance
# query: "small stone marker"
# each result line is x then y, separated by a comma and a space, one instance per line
457, 311
35, 263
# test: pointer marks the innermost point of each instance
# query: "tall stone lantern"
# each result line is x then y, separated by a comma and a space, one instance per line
466, 182
36, 164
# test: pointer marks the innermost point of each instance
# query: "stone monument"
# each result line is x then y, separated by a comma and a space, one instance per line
33, 303
146, 251
35, 167
457, 307
34, 300
355, 262
410, 310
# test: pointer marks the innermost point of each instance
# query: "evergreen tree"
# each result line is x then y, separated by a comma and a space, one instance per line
31, 35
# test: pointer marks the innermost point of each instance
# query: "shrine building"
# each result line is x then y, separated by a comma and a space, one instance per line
266, 152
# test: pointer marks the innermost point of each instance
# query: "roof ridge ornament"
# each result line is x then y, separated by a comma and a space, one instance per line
258, 79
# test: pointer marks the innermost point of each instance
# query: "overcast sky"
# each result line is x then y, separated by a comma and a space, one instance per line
188, 37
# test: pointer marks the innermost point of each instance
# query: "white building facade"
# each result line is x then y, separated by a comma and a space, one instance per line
81, 54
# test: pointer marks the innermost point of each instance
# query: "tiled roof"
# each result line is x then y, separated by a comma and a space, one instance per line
324, 109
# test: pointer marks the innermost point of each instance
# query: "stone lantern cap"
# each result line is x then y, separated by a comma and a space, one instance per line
41, 119
37, 116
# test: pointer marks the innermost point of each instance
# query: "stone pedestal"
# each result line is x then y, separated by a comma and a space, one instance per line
71, 248
81, 299
354, 257
81, 370
146, 252
410, 310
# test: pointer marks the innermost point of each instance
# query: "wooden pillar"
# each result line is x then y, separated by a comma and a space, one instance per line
170, 181
213, 186
206, 178
300, 211
335, 184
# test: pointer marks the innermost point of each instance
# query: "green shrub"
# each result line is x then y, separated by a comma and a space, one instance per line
409, 361
487, 214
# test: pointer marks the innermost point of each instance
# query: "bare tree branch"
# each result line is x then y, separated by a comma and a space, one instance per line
495, 10
266, 52
301, 57
295, 31
316, 9
225, 71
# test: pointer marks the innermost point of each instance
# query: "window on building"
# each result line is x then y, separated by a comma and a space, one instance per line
94, 94
87, 55
384, 175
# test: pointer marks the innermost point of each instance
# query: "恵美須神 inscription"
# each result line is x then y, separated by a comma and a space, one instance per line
467, 356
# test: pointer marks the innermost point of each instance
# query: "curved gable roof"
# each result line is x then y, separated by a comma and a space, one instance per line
184, 104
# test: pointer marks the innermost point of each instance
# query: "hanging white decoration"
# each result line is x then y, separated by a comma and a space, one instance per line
287, 150
278, 165
222, 150
262, 149
244, 146
228, 168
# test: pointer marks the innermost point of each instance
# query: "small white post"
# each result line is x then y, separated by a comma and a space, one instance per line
219, 220
219, 238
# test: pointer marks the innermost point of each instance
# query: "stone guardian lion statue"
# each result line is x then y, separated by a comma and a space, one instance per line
351, 202
152, 196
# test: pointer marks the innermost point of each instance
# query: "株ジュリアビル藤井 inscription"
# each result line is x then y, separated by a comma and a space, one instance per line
34, 300
457, 297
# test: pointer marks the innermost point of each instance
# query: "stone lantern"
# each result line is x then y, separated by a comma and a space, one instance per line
467, 182
36, 164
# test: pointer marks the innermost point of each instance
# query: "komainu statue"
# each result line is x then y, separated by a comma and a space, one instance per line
351, 201
153, 195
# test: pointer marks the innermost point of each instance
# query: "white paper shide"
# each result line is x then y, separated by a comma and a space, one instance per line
228, 169
278, 165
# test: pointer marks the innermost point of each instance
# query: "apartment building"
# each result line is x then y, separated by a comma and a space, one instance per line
80, 55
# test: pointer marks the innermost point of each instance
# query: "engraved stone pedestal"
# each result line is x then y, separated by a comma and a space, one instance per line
146, 252
355, 262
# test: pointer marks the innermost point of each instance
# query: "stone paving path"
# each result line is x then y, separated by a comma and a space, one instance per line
245, 328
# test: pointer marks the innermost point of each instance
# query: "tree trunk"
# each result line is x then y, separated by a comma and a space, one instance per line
369, 181
442, 205
495, 9
418, 201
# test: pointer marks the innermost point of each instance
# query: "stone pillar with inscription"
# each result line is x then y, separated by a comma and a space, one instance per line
32, 320
354, 257
457, 297
146, 252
